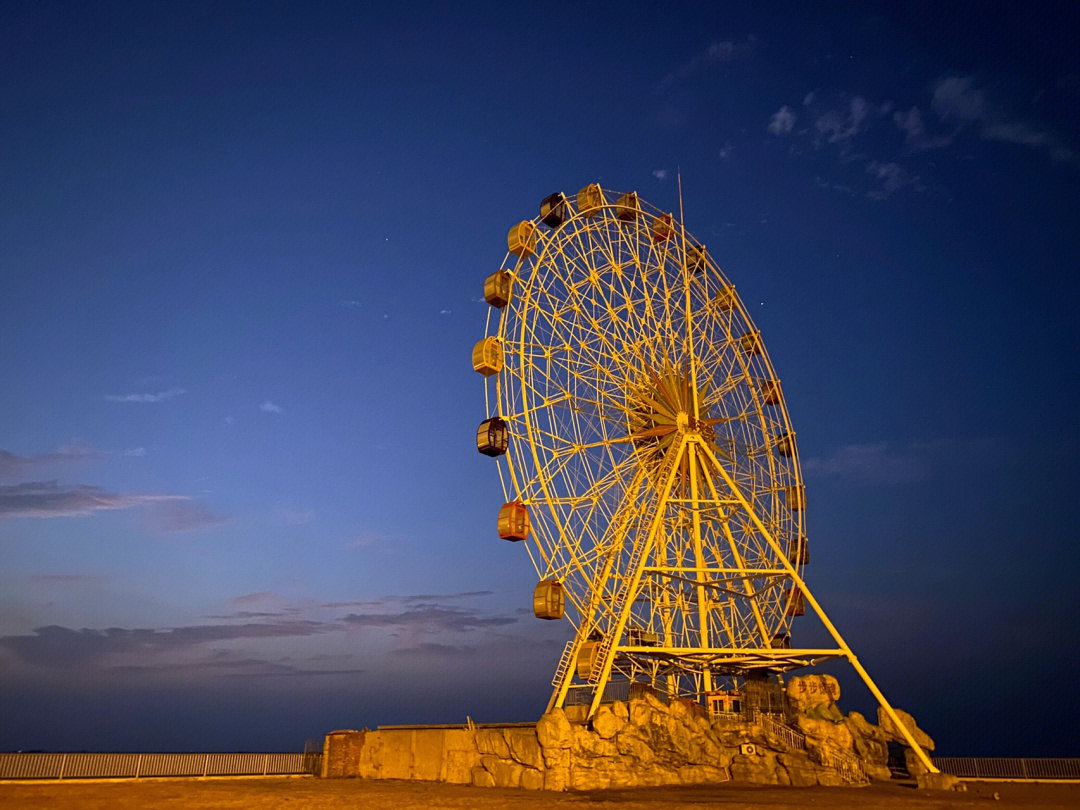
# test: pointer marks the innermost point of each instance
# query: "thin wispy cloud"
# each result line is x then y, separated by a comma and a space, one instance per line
782, 121
270, 407
161, 396
431, 618
891, 178
63, 580
14, 466
46, 499
861, 134
717, 52
56, 646
181, 514
839, 126
872, 464
891, 464
959, 101
295, 517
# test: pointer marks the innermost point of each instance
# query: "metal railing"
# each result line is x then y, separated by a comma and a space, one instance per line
1009, 767
849, 768
135, 766
793, 740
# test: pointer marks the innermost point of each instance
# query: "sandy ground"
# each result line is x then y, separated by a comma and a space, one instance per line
306, 793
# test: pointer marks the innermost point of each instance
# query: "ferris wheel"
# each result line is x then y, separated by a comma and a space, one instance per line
647, 458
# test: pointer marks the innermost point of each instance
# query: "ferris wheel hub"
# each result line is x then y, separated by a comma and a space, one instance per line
682, 420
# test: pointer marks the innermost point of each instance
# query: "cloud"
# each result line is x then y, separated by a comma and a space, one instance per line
445, 311
957, 99
270, 407
841, 125
182, 515
435, 649
431, 597
429, 617
13, 466
886, 464
49, 499
135, 452
159, 397
409, 599
912, 125
782, 121
892, 177
716, 53
61, 647
230, 667
63, 580
871, 464
660, 174
296, 517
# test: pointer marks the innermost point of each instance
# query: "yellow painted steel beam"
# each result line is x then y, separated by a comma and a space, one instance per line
846, 650
657, 522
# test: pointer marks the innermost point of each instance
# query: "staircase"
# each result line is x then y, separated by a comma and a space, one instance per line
849, 767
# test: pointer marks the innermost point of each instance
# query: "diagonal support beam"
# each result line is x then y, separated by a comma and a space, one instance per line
801, 585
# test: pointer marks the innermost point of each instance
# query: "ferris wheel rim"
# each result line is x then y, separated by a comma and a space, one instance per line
536, 486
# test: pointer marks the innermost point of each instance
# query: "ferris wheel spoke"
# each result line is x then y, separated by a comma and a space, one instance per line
618, 347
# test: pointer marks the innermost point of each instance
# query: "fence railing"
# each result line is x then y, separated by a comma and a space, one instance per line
1009, 767
135, 766
849, 767
793, 740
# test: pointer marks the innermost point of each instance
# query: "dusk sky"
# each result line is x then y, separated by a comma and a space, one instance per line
242, 250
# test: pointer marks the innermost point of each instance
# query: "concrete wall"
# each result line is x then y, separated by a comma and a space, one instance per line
341, 752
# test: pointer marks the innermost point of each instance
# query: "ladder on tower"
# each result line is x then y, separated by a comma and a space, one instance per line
569, 653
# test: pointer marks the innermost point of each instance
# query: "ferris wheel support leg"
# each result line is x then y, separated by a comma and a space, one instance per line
844, 648
671, 466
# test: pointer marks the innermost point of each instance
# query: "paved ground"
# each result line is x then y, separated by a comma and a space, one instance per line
305, 793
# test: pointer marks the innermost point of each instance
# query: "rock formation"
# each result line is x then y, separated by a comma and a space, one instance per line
644, 742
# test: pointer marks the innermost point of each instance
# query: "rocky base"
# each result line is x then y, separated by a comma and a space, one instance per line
642, 743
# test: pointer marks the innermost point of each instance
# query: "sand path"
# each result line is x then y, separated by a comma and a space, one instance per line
307, 793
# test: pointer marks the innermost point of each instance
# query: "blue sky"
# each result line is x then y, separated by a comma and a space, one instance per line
241, 258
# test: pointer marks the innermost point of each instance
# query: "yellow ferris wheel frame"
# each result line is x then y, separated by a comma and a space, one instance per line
643, 437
